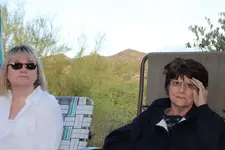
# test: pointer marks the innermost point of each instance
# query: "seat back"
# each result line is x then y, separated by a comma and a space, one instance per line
77, 116
214, 62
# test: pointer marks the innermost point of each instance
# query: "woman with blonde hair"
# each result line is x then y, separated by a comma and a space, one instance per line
30, 117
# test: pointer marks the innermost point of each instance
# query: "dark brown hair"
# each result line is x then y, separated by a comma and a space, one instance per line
181, 67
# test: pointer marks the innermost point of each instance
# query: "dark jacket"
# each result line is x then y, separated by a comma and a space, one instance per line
203, 129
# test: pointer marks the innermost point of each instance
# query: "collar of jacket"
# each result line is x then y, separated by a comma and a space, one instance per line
155, 112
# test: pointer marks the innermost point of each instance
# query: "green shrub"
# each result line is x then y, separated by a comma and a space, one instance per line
115, 97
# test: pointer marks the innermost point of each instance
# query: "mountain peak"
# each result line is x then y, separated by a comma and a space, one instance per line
128, 54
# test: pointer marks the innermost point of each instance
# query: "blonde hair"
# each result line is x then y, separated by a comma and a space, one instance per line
23, 49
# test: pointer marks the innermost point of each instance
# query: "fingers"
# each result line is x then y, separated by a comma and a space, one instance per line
193, 80
206, 93
201, 97
195, 95
198, 82
200, 87
196, 85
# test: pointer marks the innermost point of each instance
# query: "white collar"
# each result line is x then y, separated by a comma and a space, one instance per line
163, 124
29, 98
32, 98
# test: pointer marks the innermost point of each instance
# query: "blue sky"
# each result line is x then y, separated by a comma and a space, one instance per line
143, 25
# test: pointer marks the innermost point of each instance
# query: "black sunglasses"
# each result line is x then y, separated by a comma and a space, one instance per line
17, 65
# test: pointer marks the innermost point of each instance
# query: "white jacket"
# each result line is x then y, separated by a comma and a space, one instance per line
38, 126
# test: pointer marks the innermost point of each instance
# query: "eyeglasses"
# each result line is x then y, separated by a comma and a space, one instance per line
177, 83
17, 65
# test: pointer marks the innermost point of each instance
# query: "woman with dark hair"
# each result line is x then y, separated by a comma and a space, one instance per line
183, 121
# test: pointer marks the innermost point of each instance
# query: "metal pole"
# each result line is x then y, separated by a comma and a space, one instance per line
1, 49
141, 85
